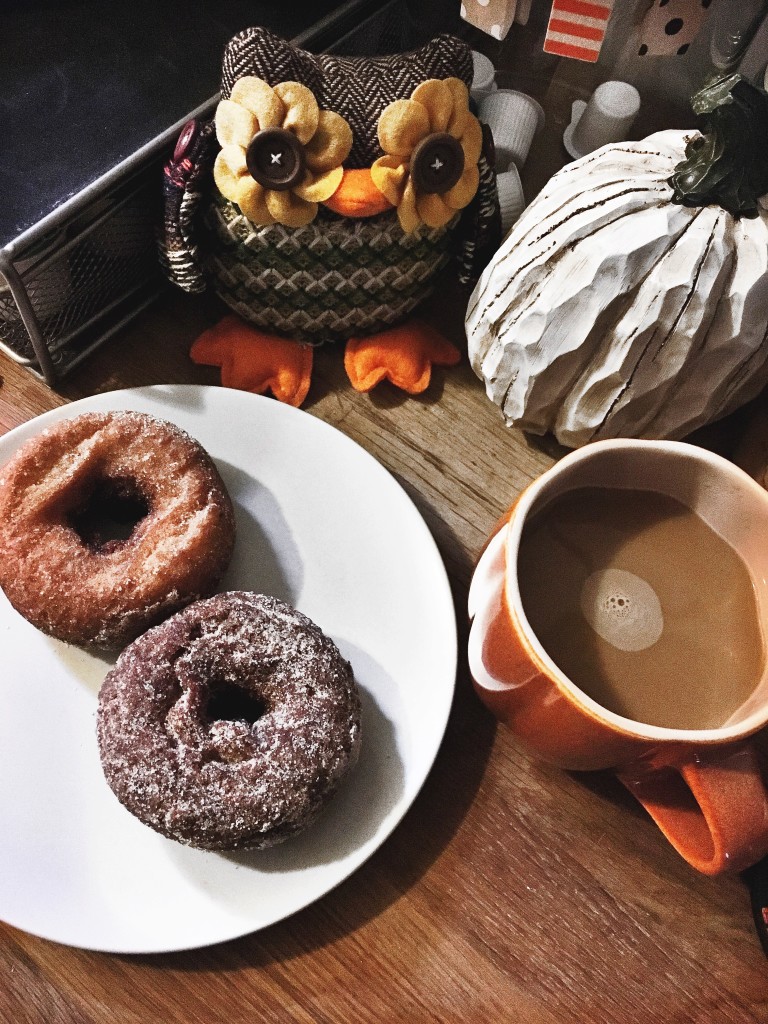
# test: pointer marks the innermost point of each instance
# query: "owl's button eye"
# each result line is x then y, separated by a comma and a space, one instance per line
437, 163
275, 159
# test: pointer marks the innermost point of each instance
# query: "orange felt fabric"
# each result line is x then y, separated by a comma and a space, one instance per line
252, 360
403, 355
357, 196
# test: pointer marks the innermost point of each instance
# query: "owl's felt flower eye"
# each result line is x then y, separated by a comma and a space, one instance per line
280, 154
432, 143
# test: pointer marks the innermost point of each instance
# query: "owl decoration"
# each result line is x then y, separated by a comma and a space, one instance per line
321, 202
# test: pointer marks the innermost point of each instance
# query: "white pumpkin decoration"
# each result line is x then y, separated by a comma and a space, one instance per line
611, 310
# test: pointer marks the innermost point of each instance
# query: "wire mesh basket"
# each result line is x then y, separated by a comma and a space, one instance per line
75, 286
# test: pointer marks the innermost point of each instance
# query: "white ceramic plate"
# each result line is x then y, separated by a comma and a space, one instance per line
321, 525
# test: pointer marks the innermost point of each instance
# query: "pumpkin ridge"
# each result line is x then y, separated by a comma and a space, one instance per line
576, 213
702, 338
608, 161
645, 424
623, 390
508, 388
759, 349
683, 306
743, 368
521, 270
603, 201
744, 380
561, 373
613, 313
597, 156
692, 290
658, 182
522, 302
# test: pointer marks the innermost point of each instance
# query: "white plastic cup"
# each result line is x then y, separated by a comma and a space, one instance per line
483, 80
607, 117
514, 118
511, 197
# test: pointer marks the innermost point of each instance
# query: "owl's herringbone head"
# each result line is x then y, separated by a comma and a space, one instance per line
358, 88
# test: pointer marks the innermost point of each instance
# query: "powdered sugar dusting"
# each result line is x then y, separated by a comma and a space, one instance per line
222, 783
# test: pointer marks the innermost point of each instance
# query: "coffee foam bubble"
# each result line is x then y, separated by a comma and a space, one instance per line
622, 608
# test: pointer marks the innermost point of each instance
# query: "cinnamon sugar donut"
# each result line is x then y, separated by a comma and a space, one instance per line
229, 725
109, 522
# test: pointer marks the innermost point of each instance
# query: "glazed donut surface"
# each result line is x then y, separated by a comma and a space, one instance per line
231, 724
109, 522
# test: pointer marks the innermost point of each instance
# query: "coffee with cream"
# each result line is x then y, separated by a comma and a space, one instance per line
642, 605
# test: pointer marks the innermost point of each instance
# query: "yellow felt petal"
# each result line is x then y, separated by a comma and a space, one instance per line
460, 96
407, 213
301, 110
472, 141
259, 98
235, 126
389, 175
401, 126
458, 90
289, 209
330, 145
316, 188
458, 121
228, 171
252, 201
464, 190
433, 210
437, 99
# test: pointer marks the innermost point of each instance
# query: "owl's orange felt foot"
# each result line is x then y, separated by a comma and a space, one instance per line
252, 360
403, 355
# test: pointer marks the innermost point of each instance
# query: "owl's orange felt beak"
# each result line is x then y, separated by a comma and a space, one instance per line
357, 196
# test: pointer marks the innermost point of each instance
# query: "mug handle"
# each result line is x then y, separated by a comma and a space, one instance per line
713, 807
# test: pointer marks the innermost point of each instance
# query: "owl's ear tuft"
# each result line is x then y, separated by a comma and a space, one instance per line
257, 51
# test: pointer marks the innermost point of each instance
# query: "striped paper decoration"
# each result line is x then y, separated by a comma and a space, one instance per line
577, 28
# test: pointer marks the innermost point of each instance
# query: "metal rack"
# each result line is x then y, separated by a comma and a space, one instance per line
72, 287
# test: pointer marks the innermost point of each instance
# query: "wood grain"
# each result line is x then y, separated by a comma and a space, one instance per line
512, 891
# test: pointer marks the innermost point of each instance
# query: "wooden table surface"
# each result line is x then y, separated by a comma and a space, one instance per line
511, 891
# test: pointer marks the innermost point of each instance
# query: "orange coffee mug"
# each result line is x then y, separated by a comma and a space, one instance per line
643, 563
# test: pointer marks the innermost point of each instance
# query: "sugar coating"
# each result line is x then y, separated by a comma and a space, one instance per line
104, 597
215, 783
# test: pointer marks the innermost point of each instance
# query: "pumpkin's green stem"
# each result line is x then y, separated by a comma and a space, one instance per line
728, 163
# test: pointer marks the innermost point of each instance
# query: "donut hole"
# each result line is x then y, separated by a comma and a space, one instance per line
110, 513
231, 703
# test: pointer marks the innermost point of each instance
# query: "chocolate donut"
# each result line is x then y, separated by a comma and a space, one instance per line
109, 522
229, 725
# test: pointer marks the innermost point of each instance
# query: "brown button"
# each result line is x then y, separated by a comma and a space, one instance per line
437, 163
275, 159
